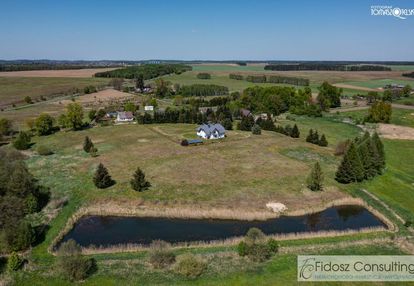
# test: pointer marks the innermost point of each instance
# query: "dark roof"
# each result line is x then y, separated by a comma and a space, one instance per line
194, 141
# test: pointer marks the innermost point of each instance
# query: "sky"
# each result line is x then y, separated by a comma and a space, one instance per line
203, 30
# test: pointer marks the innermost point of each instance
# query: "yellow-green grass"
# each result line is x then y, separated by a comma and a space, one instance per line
377, 83
15, 89
395, 186
404, 117
404, 68
224, 268
241, 172
218, 78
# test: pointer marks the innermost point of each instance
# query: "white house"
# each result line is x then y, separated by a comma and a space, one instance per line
211, 131
124, 116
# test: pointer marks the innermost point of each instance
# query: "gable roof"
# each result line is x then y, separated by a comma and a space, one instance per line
210, 128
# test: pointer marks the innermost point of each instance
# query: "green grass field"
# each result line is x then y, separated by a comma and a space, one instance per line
14, 89
228, 67
403, 117
402, 67
376, 83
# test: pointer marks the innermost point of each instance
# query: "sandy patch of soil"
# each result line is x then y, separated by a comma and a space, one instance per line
392, 131
100, 96
55, 73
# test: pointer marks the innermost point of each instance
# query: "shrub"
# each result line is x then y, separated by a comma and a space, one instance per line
322, 141
160, 255
184, 142
273, 245
20, 237
22, 142
315, 178
254, 235
256, 130
242, 248
87, 144
71, 263
189, 265
408, 223
203, 75
259, 252
93, 152
43, 150
15, 262
28, 100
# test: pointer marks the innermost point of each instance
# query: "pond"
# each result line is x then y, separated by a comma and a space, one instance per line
113, 230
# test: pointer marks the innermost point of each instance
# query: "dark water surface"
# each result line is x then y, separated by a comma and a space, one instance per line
113, 230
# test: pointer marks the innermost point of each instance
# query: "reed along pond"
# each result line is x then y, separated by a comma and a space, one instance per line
114, 230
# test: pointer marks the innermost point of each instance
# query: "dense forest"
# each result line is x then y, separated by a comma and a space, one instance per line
325, 67
148, 71
203, 90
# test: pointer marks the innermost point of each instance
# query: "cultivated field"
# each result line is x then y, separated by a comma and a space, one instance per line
55, 73
15, 89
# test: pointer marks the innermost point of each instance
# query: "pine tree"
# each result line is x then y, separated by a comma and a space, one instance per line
315, 138
315, 178
87, 144
295, 132
351, 168
381, 153
323, 142
310, 136
138, 181
366, 159
102, 179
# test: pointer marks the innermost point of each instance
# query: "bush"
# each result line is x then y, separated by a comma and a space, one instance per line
22, 142
273, 245
259, 252
242, 248
71, 263
138, 181
20, 237
43, 150
189, 265
160, 255
203, 75
44, 124
256, 130
15, 262
93, 152
102, 179
184, 142
254, 235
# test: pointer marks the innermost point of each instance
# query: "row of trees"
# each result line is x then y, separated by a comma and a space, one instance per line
364, 159
409, 74
203, 75
203, 90
202, 102
146, 71
288, 130
325, 67
271, 79
313, 137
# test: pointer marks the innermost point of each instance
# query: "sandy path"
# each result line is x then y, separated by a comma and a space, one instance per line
55, 73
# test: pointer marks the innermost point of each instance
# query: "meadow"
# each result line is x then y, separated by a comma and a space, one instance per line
15, 89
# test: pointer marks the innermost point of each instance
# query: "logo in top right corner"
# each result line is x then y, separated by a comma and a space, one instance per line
400, 13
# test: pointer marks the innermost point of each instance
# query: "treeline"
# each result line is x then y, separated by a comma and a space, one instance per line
410, 74
20, 195
325, 67
203, 90
147, 71
201, 102
185, 115
271, 79
363, 159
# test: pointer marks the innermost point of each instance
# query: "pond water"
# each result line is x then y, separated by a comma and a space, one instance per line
113, 230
